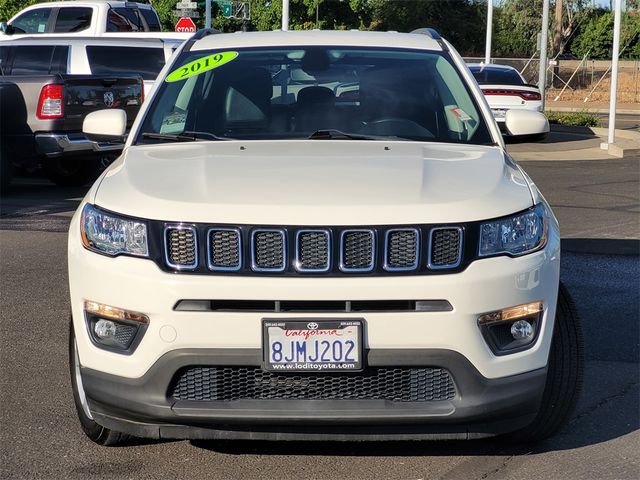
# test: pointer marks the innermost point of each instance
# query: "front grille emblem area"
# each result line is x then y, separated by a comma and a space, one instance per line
268, 250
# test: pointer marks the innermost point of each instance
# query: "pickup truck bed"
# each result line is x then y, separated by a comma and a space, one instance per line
41, 121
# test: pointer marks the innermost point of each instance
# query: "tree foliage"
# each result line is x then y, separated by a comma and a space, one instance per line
463, 22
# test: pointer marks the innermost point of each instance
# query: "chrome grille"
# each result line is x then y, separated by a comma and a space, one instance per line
225, 249
181, 247
357, 251
268, 250
445, 247
312, 251
401, 249
395, 384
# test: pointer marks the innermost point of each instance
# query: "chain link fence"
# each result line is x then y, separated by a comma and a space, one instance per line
578, 80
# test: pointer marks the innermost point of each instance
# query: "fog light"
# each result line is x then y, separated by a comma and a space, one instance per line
113, 328
522, 330
105, 329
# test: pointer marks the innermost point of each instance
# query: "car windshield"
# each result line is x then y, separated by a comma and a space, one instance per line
496, 76
314, 92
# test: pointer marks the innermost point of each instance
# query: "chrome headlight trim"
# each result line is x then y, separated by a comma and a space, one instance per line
112, 234
532, 226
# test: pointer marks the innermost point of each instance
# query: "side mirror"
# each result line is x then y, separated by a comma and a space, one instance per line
526, 122
106, 126
6, 28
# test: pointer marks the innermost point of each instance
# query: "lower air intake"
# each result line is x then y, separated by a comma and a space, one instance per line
399, 384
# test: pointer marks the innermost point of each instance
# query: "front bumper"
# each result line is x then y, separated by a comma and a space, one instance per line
54, 144
480, 408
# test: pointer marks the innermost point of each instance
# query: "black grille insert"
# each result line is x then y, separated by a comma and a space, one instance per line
225, 249
401, 249
312, 251
268, 250
446, 247
181, 247
358, 250
397, 384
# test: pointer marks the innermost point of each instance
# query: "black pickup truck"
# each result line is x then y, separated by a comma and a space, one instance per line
41, 122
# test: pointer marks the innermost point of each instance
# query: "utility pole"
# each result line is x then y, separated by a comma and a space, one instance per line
544, 41
557, 41
487, 50
285, 15
207, 14
614, 75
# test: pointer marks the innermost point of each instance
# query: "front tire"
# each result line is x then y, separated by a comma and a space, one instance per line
96, 433
564, 374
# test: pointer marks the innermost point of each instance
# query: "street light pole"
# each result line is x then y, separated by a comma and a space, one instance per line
614, 73
487, 50
207, 14
544, 41
285, 15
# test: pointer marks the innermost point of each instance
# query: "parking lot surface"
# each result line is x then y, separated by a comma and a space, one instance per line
40, 437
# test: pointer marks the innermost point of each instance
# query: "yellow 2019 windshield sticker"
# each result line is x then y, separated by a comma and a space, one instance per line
201, 65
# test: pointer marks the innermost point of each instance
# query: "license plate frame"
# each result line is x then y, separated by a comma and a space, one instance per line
308, 324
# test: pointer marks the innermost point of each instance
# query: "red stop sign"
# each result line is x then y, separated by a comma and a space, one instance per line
185, 24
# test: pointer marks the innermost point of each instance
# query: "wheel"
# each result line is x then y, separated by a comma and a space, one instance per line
564, 374
72, 171
97, 433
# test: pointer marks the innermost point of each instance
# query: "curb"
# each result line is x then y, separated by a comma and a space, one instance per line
601, 246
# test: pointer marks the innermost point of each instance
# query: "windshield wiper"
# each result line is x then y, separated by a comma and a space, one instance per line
334, 134
187, 136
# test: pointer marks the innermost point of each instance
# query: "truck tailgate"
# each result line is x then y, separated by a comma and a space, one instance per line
87, 93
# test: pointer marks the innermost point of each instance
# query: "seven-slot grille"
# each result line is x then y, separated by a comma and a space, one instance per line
396, 384
314, 250
181, 247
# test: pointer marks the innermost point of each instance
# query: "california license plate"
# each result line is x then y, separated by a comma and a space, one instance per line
312, 345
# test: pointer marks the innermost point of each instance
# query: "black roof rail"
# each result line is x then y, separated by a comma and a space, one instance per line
432, 32
199, 35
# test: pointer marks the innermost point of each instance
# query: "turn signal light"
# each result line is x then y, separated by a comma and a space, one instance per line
113, 313
511, 313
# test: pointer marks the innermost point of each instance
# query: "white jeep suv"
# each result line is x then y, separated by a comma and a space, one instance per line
317, 235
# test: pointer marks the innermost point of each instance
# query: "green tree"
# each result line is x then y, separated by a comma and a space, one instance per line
596, 36
8, 8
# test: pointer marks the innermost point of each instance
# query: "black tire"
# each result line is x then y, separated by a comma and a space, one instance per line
71, 171
96, 433
564, 374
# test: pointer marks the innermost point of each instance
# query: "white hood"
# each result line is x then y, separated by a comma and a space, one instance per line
313, 182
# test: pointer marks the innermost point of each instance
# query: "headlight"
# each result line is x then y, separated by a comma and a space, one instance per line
112, 235
516, 235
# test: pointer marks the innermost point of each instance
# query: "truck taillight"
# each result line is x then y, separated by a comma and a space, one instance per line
51, 102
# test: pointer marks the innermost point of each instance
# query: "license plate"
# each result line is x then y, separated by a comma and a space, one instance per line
312, 345
499, 112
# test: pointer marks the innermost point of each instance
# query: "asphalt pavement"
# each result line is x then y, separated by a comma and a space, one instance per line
596, 201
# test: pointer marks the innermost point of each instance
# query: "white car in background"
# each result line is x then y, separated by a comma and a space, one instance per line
81, 18
505, 89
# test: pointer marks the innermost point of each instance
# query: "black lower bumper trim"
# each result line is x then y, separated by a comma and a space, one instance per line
481, 407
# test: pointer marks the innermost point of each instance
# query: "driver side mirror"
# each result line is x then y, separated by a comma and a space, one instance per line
106, 126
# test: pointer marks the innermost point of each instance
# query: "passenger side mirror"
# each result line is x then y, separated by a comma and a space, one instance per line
6, 28
526, 123
106, 126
